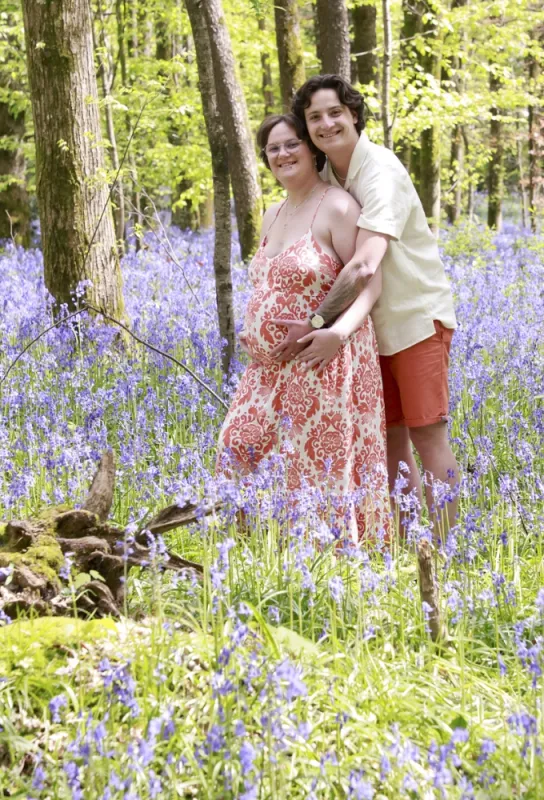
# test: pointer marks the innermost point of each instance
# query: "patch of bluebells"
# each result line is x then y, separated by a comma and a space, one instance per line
141, 403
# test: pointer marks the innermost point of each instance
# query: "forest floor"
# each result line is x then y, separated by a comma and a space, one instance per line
292, 669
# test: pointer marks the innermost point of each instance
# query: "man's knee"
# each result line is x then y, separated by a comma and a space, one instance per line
429, 437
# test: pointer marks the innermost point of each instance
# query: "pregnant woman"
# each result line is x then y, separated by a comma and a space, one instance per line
333, 417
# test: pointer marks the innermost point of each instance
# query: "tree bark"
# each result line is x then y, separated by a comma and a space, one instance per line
364, 43
386, 79
333, 37
233, 111
495, 170
75, 214
535, 122
107, 73
221, 189
429, 175
14, 201
457, 160
412, 12
290, 51
266, 73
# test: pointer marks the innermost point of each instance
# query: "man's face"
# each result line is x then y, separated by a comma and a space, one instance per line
330, 124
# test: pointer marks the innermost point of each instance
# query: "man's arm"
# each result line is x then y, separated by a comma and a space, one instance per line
355, 276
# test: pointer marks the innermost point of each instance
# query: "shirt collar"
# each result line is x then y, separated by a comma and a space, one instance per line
357, 160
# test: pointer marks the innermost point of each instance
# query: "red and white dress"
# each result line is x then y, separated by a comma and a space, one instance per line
334, 422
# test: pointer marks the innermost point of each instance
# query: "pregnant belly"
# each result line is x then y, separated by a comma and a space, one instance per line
262, 335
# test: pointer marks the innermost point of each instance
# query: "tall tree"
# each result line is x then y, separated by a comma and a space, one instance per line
75, 214
412, 12
365, 57
221, 185
495, 167
535, 120
457, 152
429, 167
333, 37
107, 74
266, 81
14, 201
233, 109
386, 78
290, 51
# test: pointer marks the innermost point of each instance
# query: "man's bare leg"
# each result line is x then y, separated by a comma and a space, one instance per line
399, 449
438, 461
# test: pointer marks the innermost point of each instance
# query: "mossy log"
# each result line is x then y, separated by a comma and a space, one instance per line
33, 553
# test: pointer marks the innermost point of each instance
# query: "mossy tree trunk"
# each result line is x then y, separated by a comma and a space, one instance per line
221, 179
233, 111
14, 201
333, 37
365, 58
290, 51
79, 545
76, 221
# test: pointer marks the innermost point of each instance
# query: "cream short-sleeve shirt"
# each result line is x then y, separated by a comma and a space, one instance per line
415, 289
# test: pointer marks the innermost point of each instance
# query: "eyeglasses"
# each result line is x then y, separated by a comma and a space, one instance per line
273, 150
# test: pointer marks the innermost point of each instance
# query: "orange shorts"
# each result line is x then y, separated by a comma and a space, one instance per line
415, 381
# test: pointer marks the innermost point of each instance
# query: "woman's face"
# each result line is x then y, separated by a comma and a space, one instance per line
291, 160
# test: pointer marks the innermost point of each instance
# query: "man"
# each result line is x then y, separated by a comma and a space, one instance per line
414, 316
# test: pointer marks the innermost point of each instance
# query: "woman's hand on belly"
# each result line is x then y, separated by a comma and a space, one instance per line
320, 347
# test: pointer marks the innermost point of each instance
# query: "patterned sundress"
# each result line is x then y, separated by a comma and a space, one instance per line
330, 428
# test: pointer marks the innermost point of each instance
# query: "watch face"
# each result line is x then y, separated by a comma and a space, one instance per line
317, 321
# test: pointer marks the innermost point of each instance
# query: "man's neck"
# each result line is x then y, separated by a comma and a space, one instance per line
340, 162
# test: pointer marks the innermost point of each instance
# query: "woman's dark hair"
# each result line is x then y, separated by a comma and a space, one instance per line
299, 127
347, 95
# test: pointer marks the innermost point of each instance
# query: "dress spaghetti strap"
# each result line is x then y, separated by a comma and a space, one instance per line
318, 206
265, 237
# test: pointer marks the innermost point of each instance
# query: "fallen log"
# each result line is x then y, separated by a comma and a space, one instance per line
34, 553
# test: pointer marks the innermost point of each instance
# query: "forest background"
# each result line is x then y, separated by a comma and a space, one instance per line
456, 88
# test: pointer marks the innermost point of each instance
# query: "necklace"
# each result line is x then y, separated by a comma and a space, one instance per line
339, 178
290, 214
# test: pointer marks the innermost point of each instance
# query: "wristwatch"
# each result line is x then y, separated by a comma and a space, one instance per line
316, 321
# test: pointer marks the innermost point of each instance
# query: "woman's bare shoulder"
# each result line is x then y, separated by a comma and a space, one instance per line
340, 203
269, 216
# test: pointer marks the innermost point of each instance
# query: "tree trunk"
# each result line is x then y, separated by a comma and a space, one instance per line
429, 177
495, 173
128, 35
233, 111
221, 189
457, 159
386, 79
333, 37
290, 51
268, 94
365, 57
412, 11
107, 72
14, 201
536, 139
523, 196
75, 213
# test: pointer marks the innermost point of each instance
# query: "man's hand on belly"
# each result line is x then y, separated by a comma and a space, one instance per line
296, 329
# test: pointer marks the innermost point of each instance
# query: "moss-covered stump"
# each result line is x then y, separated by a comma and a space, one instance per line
80, 550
